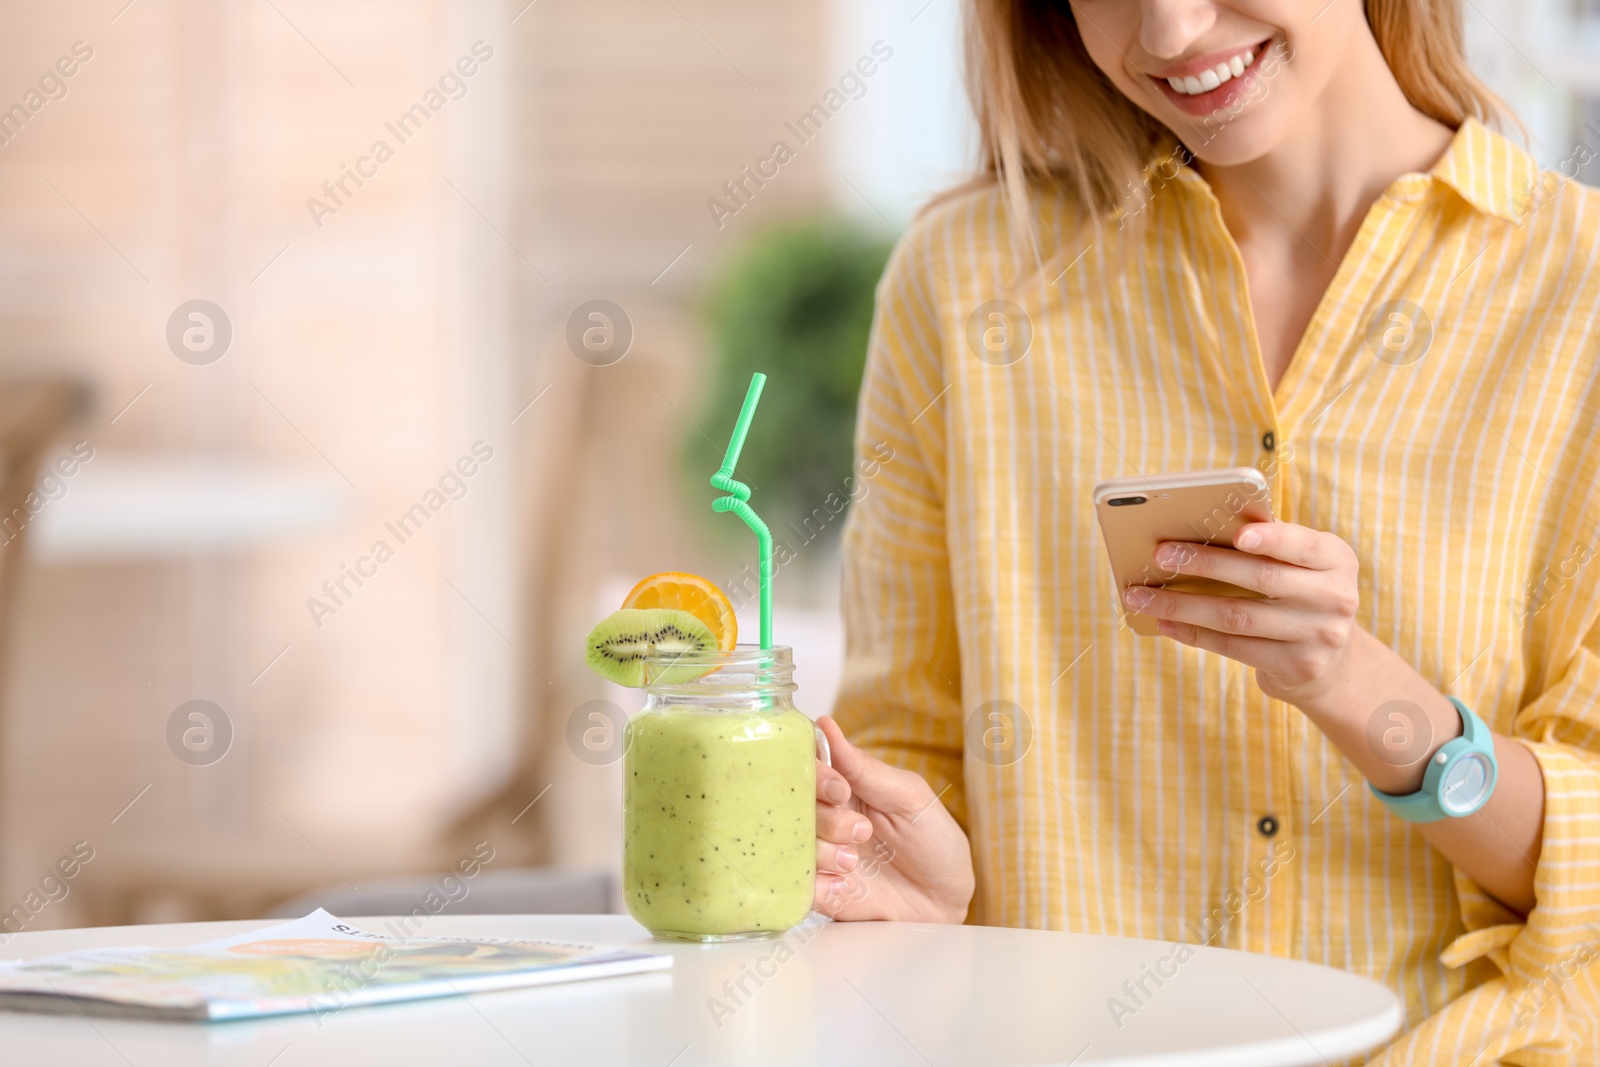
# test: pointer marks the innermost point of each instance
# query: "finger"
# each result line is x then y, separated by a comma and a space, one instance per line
830, 897
841, 894
836, 859
889, 789
831, 785
1257, 652
1264, 575
1291, 543
1225, 614
842, 826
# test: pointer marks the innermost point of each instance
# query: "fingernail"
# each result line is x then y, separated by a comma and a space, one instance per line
1169, 556
1138, 597
834, 792
1248, 539
847, 858
861, 831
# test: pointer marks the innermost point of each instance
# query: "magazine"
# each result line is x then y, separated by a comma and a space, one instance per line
316, 964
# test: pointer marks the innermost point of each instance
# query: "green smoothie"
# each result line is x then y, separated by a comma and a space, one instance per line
719, 820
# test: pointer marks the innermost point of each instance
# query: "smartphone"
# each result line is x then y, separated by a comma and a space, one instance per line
1200, 507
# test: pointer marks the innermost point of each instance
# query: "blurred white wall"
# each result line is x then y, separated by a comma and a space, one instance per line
911, 134
1543, 58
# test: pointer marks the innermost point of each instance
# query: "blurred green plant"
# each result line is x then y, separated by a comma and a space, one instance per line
796, 303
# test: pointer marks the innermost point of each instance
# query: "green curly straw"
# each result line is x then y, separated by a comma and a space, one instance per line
739, 495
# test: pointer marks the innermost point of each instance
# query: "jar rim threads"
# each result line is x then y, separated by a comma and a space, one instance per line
742, 673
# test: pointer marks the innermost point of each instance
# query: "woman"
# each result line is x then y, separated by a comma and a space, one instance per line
1256, 232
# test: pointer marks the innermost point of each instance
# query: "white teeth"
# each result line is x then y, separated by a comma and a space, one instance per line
1211, 79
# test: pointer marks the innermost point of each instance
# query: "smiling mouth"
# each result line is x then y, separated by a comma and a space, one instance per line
1222, 72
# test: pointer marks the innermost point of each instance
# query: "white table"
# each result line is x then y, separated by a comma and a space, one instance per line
158, 505
883, 994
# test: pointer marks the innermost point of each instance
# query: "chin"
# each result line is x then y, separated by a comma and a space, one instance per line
1244, 138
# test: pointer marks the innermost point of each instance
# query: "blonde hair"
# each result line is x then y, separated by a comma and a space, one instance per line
1047, 116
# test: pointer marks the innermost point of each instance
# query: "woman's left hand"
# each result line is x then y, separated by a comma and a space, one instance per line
1296, 639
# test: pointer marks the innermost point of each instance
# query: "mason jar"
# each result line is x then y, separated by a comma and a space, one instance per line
719, 799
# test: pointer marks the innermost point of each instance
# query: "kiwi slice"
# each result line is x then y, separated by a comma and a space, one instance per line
622, 642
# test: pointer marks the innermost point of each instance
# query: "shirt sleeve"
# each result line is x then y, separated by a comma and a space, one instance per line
1543, 1007
900, 694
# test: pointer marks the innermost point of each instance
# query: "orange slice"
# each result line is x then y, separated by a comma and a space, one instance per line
694, 594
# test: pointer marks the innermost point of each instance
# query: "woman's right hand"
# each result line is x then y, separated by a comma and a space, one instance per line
886, 847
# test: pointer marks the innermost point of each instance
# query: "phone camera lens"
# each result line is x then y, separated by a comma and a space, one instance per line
1125, 501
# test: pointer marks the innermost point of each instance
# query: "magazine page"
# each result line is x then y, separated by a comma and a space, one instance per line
315, 964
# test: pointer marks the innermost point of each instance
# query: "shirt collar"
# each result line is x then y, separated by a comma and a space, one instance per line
1489, 172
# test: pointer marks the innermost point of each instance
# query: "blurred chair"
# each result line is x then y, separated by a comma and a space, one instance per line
520, 891
31, 414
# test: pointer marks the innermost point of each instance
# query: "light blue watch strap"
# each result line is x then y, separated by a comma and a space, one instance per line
1476, 743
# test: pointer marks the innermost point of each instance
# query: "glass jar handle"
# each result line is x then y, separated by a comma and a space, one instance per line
824, 750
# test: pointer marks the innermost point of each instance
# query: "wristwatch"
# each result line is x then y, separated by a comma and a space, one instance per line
1459, 778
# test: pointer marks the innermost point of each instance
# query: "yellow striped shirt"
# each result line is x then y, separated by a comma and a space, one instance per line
1454, 448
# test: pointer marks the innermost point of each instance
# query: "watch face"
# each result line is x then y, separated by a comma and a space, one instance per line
1466, 784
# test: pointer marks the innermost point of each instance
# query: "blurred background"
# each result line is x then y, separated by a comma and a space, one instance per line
356, 357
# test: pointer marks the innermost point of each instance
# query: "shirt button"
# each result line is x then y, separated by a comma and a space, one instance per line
1269, 441
1267, 825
